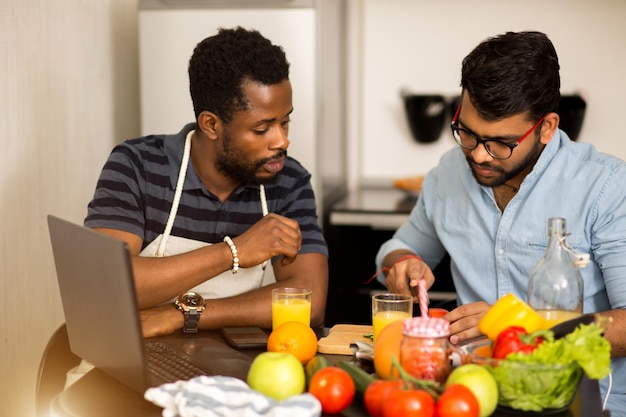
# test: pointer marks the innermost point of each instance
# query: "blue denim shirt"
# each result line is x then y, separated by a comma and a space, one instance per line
493, 252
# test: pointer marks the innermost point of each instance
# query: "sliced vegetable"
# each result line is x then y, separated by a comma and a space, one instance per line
508, 311
516, 339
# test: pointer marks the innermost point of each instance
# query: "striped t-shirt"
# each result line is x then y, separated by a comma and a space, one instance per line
136, 189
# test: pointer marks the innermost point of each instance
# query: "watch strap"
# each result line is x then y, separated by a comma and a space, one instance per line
192, 318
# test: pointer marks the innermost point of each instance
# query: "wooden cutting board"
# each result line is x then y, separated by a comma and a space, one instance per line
340, 336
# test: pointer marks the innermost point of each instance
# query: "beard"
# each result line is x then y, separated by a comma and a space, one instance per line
233, 163
525, 164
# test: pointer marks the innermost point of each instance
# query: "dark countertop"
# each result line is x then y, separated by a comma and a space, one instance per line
377, 207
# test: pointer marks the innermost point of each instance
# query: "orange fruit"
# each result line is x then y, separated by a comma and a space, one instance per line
294, 337
387, 346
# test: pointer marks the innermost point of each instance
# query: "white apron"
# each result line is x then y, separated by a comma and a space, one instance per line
223, 285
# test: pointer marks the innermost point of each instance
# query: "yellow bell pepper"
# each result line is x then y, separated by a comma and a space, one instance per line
509, 311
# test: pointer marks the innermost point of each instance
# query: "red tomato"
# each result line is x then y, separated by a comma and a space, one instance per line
409, 403
376, 393
334, 388
457, 401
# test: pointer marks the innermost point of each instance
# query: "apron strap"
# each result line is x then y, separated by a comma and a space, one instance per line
264, 208
263, 200
179, 190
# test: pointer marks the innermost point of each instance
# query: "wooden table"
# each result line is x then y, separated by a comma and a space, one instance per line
98, 395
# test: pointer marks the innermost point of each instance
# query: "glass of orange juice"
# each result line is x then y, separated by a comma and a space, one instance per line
291, 304
387, 308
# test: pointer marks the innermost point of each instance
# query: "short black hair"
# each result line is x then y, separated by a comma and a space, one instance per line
220, 64
513, 73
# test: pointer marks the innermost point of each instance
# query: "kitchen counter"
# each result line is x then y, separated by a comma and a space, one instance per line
379, 208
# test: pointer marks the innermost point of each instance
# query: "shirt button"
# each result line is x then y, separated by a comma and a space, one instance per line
500, 251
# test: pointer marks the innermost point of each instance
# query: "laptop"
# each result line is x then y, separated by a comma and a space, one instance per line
102, 317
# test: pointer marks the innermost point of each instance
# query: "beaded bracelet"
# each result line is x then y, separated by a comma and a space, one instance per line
233, 249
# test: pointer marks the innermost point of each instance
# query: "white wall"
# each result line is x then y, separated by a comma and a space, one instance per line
68, 92
420, 44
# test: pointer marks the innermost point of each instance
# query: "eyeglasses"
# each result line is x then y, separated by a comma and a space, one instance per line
497, 149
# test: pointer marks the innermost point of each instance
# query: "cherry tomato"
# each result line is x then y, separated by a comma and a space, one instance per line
409, 403
457, 401
376, 393
334, 388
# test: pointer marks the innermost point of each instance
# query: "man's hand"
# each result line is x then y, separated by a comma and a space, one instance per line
464, 321
404, 275
161, 320
271, 236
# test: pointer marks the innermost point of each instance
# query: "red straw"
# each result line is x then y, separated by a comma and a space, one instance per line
422, 295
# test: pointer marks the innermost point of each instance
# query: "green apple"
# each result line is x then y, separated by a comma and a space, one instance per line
278, 375
480, 381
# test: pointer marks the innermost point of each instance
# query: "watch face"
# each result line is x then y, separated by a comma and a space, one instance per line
192, 299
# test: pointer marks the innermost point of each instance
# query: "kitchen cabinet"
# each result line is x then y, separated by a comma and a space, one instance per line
355, 226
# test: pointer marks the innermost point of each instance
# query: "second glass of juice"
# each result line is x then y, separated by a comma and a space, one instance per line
389, 307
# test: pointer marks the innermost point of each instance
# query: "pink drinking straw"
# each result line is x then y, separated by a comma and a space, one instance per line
422, 295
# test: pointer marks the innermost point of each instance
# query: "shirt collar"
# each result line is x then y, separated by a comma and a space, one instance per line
547, 155
174, 146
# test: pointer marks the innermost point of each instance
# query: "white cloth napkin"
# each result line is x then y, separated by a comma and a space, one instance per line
222, 396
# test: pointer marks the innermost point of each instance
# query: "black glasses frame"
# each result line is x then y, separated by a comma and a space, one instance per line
485, 142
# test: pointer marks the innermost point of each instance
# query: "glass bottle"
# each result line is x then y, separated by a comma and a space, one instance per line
555, 287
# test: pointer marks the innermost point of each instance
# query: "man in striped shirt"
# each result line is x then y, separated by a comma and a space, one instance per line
205, 208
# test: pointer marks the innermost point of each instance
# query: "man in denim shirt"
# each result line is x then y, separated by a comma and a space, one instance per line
488, 202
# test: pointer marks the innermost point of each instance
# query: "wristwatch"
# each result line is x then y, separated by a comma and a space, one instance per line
192, 306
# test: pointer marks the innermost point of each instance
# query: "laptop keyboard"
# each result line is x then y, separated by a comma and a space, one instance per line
169, 365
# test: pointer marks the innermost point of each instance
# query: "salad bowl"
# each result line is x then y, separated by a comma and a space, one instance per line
539, 388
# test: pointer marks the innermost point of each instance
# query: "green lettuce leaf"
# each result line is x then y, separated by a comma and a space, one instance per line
585, 346
561, 364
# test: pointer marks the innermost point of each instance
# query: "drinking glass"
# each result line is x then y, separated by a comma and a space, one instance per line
387, 308
291, 304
